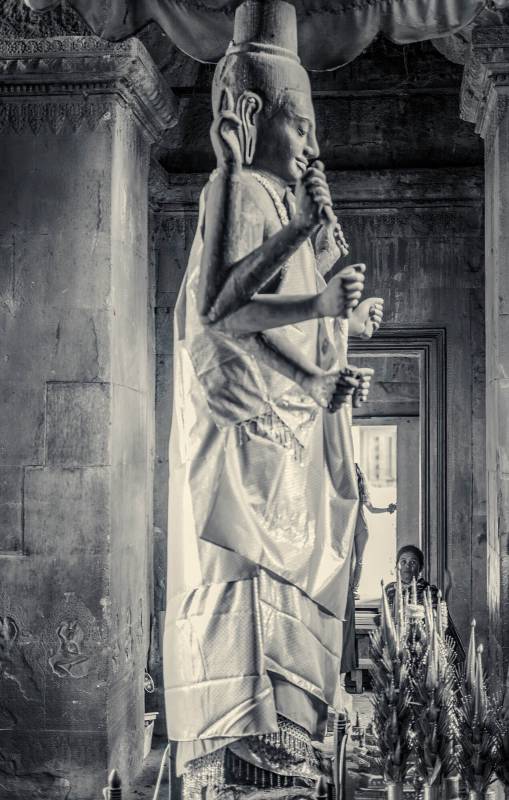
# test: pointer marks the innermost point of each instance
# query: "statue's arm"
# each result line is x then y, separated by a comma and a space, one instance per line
329, 390
266, 311
235, 267
236, 261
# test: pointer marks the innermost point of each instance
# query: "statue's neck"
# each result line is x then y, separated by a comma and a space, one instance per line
280, 186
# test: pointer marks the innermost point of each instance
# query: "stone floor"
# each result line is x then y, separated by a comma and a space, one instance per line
144, 786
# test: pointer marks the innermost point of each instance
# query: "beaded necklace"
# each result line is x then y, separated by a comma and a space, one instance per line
278, 203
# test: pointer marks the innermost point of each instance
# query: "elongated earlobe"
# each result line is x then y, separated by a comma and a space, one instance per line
249, 106
226, 102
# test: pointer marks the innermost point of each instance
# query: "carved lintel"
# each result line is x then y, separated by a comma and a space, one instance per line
485, 86
355, 190
46, 81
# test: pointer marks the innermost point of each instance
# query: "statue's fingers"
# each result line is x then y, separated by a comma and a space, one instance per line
347, 381
318, 164
315, 190
352, 285
352, 289
351, 296
353, 281
321, 199
338, 233
315, 179
347, 272
312, 173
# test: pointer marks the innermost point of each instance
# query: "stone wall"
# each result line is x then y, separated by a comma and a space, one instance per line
77, 402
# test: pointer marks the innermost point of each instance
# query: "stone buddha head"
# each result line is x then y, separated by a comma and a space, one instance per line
262, 81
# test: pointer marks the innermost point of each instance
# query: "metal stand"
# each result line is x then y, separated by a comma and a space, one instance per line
166, 758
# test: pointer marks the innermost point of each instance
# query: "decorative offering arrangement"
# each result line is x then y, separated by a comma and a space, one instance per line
438, 724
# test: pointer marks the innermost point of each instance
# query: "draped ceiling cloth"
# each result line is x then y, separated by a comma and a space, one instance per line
331, 32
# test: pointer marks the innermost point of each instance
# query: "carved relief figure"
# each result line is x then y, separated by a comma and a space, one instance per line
70, 660
72, 639
16, 665
263, 492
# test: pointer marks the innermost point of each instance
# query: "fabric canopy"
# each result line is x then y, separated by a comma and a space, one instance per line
331, 32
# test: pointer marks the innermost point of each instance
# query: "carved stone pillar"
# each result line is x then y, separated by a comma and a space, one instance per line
77, 119
485, 102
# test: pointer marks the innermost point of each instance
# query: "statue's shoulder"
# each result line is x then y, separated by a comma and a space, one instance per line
259, 196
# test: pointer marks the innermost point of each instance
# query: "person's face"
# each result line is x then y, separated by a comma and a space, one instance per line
408, 566
286, 141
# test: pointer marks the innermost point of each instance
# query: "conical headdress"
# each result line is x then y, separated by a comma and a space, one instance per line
269, 27
263, 57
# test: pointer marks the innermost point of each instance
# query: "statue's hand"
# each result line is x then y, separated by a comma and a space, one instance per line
225, 136
371, 311
330, 246
313, 200
365, 320
342, 293
363, 376
331, 390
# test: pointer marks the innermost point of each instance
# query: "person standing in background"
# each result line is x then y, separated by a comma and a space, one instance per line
361, 529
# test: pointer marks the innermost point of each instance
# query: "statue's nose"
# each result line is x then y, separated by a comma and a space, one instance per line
312, 147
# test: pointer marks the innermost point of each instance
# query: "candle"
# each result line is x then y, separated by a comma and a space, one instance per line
471, 659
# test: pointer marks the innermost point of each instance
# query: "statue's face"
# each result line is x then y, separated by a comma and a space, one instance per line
408, 566
286, 142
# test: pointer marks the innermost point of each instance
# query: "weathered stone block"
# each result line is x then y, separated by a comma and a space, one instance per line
176, 236
129, 426
502, 388
53, 269
22, 421
129, 347
78, 424
58, 344
67, 518
7, 274
53, 765
503, 346
80, 346
164, 330
11, 508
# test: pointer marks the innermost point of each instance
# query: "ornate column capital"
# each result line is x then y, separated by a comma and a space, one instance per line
78, 80
485, 87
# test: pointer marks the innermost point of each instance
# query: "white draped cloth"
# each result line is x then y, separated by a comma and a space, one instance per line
263, 503
331, 32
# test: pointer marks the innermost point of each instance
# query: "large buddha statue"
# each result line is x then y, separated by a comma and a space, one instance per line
263, 492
